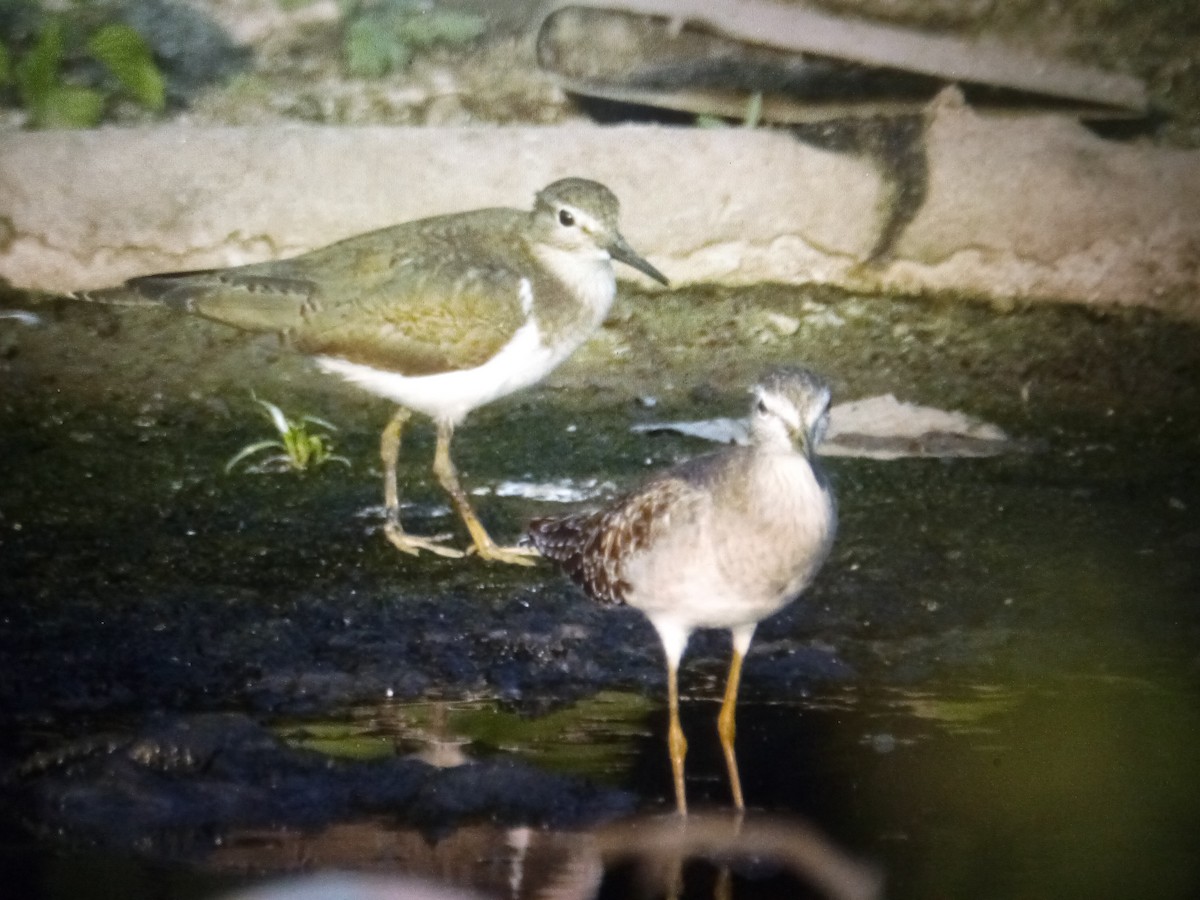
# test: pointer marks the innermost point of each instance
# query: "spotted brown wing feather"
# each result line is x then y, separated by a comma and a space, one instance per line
594, 547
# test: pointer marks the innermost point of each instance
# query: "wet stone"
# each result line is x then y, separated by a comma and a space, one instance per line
202, 774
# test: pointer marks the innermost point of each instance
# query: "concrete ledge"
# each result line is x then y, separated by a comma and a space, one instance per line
1030, 208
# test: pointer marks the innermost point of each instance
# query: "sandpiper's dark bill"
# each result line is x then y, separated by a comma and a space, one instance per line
440, 315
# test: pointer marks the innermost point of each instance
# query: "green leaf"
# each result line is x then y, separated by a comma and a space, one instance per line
37, 72
69, 106
441, 27
250, 450
317, 420
372, 50
129, 58
753, 110
5, 66
275, 414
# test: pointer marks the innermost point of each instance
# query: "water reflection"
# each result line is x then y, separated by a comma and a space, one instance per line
1057, 786
1038, 788
598, 737
649, 856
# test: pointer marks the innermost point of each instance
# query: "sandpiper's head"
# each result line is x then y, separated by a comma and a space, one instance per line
578, 215
790, 409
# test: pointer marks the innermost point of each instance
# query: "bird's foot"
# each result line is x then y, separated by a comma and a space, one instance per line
413, 544
517, 556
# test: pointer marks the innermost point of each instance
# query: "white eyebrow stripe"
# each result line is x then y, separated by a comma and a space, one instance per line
780, 407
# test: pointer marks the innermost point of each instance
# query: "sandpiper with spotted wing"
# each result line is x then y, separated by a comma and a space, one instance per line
720, 541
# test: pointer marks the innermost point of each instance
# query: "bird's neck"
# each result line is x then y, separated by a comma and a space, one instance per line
785, 486
588, 278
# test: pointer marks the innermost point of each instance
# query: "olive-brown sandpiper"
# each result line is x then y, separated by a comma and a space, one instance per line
439, 315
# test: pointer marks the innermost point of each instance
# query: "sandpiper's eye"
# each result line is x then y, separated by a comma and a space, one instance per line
761, 407
565, 218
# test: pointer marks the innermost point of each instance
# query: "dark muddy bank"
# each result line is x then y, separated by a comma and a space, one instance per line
144, 588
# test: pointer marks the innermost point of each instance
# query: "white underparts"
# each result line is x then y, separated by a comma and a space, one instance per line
526, 294
449, 396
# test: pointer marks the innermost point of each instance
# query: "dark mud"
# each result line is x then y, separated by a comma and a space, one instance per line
163, 620
183, 777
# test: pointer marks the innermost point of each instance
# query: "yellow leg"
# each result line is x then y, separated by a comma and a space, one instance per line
443, 468
676, 742
723, 889
727, 726
389, 453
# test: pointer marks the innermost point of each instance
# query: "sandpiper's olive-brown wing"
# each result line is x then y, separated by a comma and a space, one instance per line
594, 548
417, 299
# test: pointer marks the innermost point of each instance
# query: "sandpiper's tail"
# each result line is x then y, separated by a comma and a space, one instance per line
147, 290
577, 544
559, 539
115, 296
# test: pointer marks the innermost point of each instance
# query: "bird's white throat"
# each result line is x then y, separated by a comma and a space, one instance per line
587, 275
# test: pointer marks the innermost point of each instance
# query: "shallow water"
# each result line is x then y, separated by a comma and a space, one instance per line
1061, 787
1068, 785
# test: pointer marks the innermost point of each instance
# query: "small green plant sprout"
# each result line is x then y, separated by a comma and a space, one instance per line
297, 449
751, 118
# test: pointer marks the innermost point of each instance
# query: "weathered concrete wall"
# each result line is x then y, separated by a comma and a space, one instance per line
1041, 207
1032, 207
